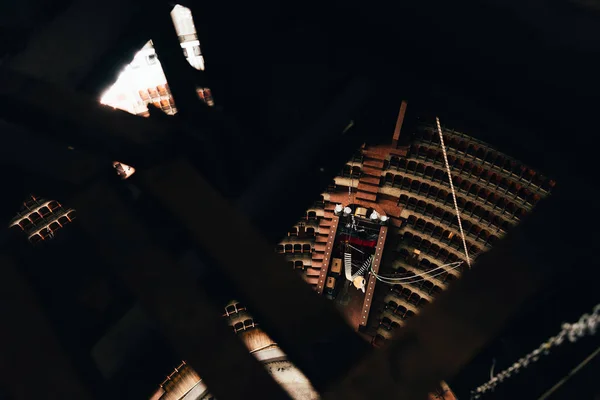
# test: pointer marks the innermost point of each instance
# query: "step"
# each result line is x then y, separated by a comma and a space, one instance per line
373, 163
312, 280
376, 172
324, 230
322, 239
370, 179
321, 247
328, 215
401, 152
378, 155
366, 196
313, 271
317, 264
365, 187
325, 223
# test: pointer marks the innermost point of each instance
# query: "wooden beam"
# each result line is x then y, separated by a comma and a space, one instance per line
399, 123
74, 118
33, 365
195, 329
335, 220
68, 48
368, 301
46, 157
305, 325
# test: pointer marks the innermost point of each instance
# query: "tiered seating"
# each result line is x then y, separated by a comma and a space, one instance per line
445, 213
413, 265
440, 192
40, 218
303, 246
480, 153
411, 185
429, 226
495, 192
238, 317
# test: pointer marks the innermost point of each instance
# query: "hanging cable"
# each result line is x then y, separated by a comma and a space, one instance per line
453, 265
570, 375
408, 282
407, 279
462, 233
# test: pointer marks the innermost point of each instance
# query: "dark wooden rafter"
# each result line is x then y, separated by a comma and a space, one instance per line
33, 364
187, 318
309, 330
432, 346
67, 49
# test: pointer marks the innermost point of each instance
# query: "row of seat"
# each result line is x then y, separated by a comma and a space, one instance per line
34, 213
425, 265
427, 281
242, 326
469, 183
477, 150
234, 308
349, 171
446, 214
308, 231
399, 310
297, 265
443, 254
408, 295
440, 191
427, 288
154, 92
520, 175
388, 324
294, 248
451, 237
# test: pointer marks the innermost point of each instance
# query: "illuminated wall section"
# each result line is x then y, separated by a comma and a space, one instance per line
143, 81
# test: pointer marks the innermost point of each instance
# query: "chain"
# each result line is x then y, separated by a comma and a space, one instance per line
462, 233
586, 325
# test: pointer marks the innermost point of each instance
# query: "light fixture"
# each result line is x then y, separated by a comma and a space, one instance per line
338, 209
347, 211
384, 218
374, 215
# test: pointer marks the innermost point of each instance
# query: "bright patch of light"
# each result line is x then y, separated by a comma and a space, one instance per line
123, 170
143, 81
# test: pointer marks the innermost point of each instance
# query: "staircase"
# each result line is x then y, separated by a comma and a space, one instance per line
368, 184
321, 238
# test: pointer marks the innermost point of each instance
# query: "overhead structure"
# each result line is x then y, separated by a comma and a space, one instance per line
206, 165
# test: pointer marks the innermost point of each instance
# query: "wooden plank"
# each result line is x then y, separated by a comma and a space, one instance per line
195, 329
368, 301
65, 114
33, 364
365, 187
308, 329
446, 335
327, 256
399, 123
376, 172
46, 157
373, 163
366, 196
